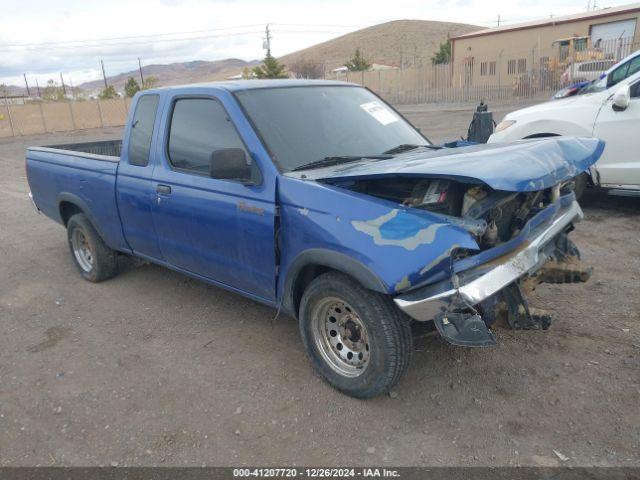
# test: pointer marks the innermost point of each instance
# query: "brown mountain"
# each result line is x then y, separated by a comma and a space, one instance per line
177, 73
401, 42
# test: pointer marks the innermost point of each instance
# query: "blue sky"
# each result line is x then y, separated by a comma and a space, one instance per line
165, 31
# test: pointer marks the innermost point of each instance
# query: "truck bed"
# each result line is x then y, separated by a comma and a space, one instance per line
78, 174
105, 148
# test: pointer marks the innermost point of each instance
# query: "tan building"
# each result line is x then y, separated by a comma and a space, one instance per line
544, 50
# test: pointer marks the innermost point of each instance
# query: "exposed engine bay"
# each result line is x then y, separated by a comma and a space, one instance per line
492, 216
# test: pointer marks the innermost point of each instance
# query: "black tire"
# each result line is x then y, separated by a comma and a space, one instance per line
95, 261
580, 184
387, 330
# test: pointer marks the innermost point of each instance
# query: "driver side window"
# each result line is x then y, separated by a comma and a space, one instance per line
199, 126
635, 90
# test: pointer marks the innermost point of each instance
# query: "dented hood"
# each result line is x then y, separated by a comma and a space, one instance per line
525, 165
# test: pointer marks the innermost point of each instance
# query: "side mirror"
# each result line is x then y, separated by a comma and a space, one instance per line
621, 98
230, 164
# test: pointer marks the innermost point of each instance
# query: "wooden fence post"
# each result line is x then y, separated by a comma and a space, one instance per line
13, 132
44, 122
100, 113
73, 120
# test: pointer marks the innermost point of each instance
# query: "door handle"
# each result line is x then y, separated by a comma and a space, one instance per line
163, 189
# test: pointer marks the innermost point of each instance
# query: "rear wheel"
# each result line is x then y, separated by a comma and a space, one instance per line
94, 259
357, 339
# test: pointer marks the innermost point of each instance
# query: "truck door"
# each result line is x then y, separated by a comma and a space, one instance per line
134, 189
620, 162
222, 230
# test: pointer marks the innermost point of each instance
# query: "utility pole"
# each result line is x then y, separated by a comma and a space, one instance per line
64, 89
141, 77
104, 75
498, 20
38, 87
27, 84
266, 44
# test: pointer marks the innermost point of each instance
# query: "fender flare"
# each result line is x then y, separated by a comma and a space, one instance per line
330, 259
82, 205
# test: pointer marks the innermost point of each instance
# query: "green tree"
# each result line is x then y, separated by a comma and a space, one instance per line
443, 55
108, 93
131, 87
358, 62
52, 92
150, 82
270, 68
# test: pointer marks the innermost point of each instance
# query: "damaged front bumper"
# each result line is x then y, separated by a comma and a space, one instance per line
471, 287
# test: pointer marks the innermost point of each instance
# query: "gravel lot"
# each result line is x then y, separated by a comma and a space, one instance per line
154, 368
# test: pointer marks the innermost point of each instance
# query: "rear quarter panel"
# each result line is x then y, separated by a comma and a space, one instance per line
88, 182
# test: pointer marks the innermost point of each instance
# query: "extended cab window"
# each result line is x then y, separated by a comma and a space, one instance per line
142, 130
198, 127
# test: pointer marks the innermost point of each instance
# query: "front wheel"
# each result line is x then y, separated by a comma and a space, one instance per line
357, 339
580, 185
94, 259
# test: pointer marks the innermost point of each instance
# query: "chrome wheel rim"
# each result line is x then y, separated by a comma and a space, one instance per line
81, 250
340, 336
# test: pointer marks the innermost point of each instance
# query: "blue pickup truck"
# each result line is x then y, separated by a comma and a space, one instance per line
321, 200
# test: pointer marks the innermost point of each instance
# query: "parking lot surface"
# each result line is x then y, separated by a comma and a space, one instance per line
154, 368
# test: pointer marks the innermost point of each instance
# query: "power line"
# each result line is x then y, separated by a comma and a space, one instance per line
56, 47
60, 46
131, 37
155, 35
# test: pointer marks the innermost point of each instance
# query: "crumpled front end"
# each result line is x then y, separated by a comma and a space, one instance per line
481, 293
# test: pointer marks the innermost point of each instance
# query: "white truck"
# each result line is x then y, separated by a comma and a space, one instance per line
610, 113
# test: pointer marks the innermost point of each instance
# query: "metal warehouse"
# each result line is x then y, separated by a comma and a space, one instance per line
573, 47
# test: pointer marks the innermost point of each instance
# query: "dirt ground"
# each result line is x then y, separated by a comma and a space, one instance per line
154, 368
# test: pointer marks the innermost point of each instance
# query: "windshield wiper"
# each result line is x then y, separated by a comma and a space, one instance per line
405, 147
336, 160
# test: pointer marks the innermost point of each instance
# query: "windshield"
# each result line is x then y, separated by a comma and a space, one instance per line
595, 86
301, 125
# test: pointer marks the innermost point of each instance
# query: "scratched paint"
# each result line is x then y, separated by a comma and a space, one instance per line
403, 284
400, 229
439, 258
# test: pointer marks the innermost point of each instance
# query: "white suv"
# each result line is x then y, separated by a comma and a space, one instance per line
611, 114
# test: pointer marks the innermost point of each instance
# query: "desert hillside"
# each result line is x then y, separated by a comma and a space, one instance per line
177, 73
410, 42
